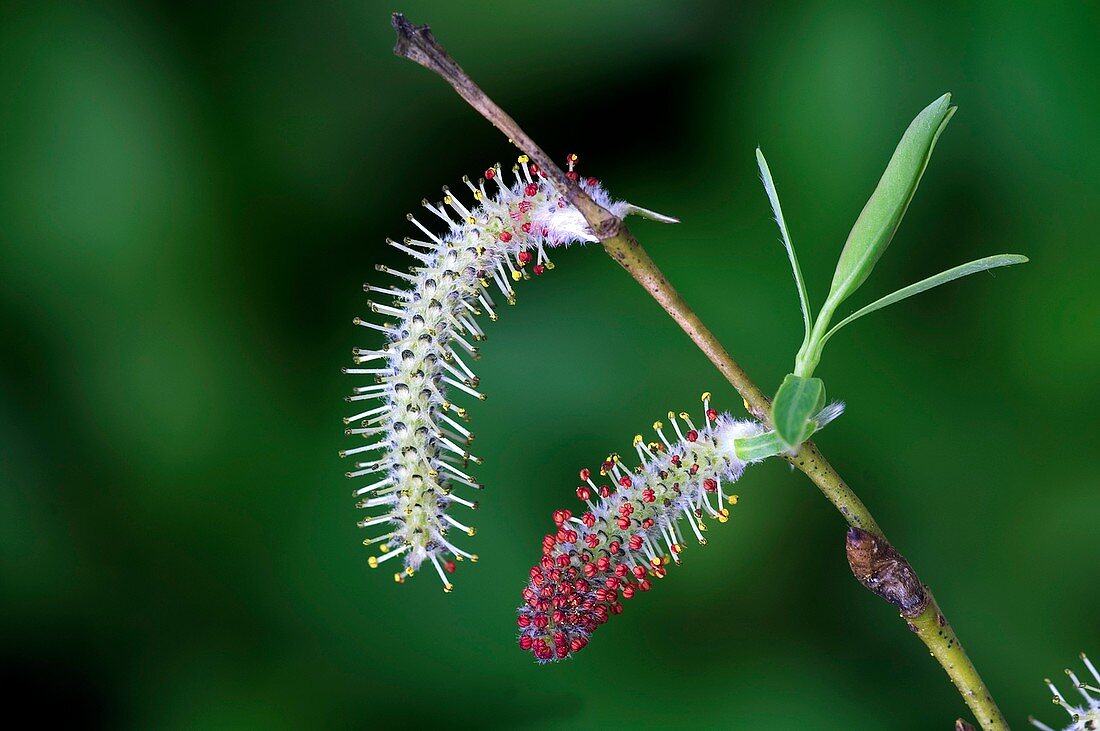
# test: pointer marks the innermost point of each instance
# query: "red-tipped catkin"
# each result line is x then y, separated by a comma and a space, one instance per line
629, 529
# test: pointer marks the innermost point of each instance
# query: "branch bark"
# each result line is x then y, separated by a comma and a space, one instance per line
416, 43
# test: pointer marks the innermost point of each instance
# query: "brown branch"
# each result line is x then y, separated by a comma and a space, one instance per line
416, 43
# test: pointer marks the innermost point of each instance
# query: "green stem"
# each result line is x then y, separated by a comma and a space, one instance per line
417, 44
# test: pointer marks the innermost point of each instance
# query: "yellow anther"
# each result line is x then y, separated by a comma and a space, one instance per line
638, 439
372, 562
477, 195
523, 158
433, 473
703, 527
409, 571
516, 276
458, 558
471, 531
448, 587
657, 425
549, 265
384, 547
473, 558
723, 516
684, 415
702, 541
732, 500
471, 220
705, 396
447, 199
656, 562
671, 416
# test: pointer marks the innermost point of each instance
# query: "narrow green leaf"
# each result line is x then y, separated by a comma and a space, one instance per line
777, 211
880, 218
762, 446
979, 265
795, 402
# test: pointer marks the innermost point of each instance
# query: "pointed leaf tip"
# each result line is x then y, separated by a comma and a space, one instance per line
875, 227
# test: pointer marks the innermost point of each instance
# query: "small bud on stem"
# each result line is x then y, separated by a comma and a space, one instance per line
885, 572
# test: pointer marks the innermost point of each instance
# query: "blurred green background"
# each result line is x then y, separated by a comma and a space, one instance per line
192, 194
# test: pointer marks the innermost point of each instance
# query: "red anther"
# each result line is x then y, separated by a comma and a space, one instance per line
588, 519
563, 560
449, 566
534, 168
592, 540
612, 595
505, 236
645, 585
601, 594
526, 227
581, 585
648, 495
530, 189
592, 181
535, 572
560, 516
583, 492
585, 556
546, 592
675, 460
525, 206
585, 474
613, 547
623, 522
523, 257
546, 561
626, 509
635, 543
538, 579
548, 540
539, 269
625, 481
572, 536
590, 570
676, 548
639, 572
555, 575
622, 570
572, 175
525, 642
558, 616
523, 620
692, 435
647, 523
693, 469
712, 414
612, 582
545, 230
606, 466
541, 621
710, 484
490, 174
628, 592
577, 644
562, 652
605, 491
559, 638
603, 563
616, 608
